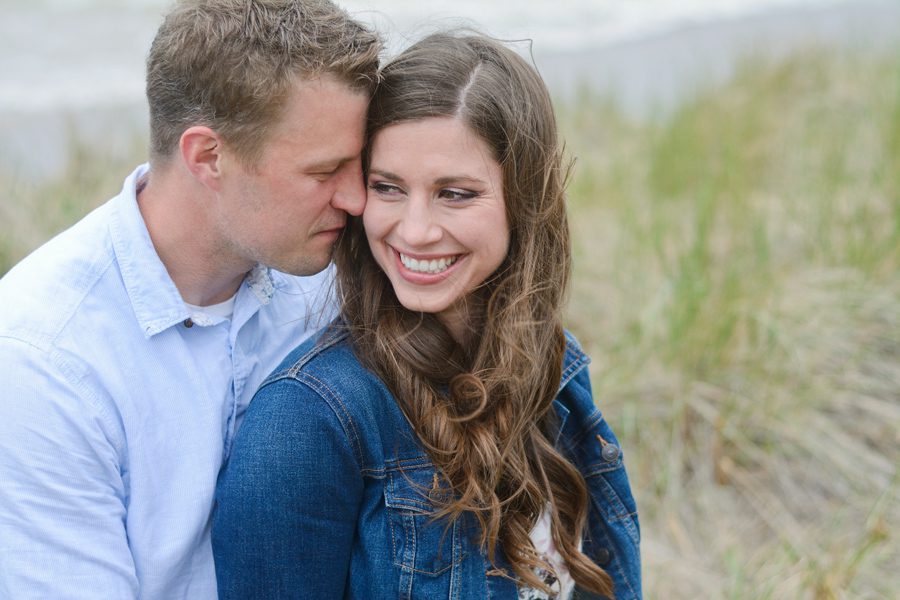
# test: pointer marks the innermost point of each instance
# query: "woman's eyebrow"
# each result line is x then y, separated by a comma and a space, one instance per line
457, 179
386, 174
446, 180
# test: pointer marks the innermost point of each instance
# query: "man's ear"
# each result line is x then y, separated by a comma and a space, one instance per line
202, 153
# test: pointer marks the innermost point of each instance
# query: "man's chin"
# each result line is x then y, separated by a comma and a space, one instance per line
306, 267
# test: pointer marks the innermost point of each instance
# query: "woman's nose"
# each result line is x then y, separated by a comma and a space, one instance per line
418, 226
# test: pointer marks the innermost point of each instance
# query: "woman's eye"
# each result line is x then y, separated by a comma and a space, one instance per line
387, 189
457, 195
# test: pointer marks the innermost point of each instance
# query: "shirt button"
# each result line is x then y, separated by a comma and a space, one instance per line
188, 323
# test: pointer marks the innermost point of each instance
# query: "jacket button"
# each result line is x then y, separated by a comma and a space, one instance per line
609, 452
603, 557
437, 494
188, 323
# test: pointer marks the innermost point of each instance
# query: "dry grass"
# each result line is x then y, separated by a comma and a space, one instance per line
32, 211
738, 286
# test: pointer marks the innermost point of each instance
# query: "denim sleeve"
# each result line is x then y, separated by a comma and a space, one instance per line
614, 529
288, 500
62, 494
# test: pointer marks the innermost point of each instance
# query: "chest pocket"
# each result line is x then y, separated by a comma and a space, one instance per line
424, 548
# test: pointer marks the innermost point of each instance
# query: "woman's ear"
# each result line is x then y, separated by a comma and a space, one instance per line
202, 153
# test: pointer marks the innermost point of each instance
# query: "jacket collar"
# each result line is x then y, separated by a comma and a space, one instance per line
574, 360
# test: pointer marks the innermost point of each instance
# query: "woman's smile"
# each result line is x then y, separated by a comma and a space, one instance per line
435, 215
425, 265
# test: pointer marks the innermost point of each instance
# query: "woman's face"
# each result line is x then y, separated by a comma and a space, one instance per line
435, 217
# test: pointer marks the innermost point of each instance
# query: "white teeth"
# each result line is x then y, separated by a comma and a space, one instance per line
427, 266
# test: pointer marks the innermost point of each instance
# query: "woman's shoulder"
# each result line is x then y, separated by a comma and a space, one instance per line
322, 378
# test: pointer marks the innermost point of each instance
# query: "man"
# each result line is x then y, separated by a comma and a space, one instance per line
131, 344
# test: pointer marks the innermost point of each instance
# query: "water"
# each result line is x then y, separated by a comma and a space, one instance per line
76, 67
90, 53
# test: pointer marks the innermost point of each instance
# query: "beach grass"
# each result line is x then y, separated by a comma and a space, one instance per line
33, 210
737, 284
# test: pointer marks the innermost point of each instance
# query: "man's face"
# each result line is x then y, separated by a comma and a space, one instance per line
288, 210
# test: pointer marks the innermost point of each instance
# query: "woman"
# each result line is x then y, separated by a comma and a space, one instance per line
439, 440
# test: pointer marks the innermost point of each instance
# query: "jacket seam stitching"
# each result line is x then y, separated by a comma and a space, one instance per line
327, 393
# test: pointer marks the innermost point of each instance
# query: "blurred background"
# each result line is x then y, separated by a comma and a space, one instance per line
736, 213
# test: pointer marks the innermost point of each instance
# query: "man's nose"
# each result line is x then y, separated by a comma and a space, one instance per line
350, 194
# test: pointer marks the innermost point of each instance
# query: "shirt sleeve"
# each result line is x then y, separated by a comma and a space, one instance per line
288, 501
62, 496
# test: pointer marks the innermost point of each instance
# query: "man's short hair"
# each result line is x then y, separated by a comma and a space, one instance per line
230, 64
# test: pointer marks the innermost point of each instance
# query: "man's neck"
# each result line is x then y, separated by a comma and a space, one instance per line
175, 208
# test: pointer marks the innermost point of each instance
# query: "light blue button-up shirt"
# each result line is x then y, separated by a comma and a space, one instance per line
115, 416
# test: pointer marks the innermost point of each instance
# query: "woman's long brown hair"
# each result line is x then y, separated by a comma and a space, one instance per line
483, 409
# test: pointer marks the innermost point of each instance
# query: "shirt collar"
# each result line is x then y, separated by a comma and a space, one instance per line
154, 297
261, 283
156, 302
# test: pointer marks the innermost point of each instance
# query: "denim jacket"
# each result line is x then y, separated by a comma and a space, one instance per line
327, 492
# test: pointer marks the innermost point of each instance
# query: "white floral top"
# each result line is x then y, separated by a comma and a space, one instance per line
564, 585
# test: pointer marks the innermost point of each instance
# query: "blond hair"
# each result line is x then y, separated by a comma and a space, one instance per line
229, 64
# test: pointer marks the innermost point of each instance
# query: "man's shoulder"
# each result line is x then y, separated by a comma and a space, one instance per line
310, 297
42, 293
327, 356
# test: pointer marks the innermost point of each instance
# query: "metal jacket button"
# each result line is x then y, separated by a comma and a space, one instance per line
609, 452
